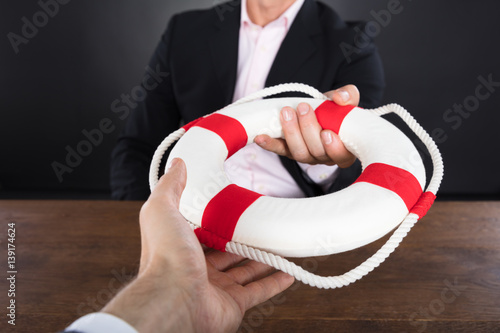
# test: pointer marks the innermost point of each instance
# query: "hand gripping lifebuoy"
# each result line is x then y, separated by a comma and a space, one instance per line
227, 217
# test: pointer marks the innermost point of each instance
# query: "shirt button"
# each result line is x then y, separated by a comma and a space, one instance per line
323, 176
252, 157
261, 188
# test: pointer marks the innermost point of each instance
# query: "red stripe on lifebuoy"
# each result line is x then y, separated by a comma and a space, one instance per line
229, 129
423, 204
395, 179
222, 213
330, 115
191, 124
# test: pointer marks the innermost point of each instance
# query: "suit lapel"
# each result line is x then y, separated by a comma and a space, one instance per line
297, 47
224, 47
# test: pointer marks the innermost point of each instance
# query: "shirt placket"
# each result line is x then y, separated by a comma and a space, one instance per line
253, 82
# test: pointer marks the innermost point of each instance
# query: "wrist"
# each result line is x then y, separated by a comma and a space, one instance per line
150, 302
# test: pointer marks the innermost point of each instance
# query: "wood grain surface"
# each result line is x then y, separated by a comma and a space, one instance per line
73, 256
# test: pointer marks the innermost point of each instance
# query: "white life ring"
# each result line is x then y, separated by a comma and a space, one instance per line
389, 192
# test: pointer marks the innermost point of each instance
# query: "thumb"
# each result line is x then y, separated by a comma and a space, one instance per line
346, 95
172, 183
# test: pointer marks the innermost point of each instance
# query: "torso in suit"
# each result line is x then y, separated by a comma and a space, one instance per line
199, 51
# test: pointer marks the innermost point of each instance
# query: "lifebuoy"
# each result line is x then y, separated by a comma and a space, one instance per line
390, 190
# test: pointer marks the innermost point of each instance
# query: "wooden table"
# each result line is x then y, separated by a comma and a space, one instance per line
72, 256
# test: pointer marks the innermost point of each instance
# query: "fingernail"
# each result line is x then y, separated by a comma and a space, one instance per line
344, 95
173, 163
287, 115
303, 108
327, 137
259, 140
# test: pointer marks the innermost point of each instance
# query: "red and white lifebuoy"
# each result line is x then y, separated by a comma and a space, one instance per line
230, 218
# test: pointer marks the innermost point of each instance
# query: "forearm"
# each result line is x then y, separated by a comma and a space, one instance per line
166, 306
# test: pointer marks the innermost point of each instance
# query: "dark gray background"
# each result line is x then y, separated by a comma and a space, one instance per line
65, 79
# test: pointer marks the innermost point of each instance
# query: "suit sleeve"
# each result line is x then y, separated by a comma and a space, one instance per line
148, 123
362, 67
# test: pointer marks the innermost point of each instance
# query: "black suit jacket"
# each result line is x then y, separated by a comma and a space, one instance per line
199, 51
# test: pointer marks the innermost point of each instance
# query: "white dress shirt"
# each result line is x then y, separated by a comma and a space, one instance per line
253, 167
101, 322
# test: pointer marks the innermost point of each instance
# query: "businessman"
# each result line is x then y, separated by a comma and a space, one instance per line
213, 57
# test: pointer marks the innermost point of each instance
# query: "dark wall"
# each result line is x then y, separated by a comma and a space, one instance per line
66, 76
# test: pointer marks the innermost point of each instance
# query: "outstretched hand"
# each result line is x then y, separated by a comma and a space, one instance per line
305, 141
179, 288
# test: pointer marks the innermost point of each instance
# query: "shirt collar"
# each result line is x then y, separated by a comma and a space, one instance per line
288, 16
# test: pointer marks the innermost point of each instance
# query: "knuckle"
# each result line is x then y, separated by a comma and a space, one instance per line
308, 121
301, 155
317, 152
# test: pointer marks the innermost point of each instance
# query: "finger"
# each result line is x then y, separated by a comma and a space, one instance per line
162, 226
336, 150
346, 95
277, 146
165, 198
222, 261
260, 291
293, 136
250, 271
310, 129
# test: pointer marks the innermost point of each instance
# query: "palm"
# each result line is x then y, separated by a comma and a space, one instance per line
231, 287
